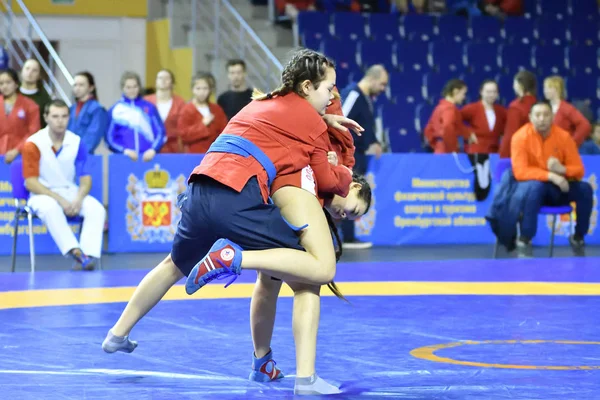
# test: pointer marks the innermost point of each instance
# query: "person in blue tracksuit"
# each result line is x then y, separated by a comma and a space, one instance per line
88, 118
135, 127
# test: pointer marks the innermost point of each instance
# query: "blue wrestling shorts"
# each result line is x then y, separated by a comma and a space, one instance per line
211, 210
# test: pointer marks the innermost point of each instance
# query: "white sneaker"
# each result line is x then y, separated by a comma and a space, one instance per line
357, 245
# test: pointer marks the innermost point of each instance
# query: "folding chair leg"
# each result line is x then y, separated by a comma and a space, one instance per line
571, 227
496, 245
552, 235
14, 248
31, 247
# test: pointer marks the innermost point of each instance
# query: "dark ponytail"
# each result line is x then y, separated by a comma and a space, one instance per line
338, 254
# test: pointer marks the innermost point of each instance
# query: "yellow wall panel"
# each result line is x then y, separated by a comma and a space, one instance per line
89, 8
160, 55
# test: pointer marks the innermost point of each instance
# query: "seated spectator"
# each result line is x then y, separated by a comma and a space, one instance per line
88, 119
502, 8
31, 86
201, 121
239, 94
53, 160
591, 147
418, 6
486, 119
566, 116
517, 115
445, 125
409, 6
135, 126
169, 107
545, 157
291, 8
19, 116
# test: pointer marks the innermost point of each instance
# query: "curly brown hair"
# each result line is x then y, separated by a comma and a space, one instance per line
304, 65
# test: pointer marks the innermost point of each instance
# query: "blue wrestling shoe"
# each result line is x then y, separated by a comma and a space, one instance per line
265, 369
224, 259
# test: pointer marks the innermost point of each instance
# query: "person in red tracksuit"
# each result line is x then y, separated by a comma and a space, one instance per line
566, 116
19, 116
486, 118
517, 115
169, 107
445, 125
279, 132
201, 121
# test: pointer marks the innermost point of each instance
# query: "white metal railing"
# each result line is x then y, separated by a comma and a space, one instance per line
20, 46
234, 38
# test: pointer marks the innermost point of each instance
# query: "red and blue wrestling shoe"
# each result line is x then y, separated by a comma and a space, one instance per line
224, 259
265, 369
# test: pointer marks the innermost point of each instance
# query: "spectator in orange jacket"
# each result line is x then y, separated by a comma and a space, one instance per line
446, 123
169, 107
201, 121
486, 118
565, 115
546, 154
517, 115
19, 116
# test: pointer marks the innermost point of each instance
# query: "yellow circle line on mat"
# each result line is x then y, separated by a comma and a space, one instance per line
428, 353
67, 297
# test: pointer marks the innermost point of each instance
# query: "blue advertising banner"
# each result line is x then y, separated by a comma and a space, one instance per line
142, 209
43, 241
424, 199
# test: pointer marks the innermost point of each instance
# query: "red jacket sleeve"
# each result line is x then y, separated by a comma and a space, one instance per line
330, 178
468, 113
511, 7
190, 125
583, 128
33, 123
343, 138
513, 123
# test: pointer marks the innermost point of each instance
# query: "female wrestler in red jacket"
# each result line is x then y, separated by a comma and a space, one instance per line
201, 121
486, 119
565, 115
517, 114
19, 116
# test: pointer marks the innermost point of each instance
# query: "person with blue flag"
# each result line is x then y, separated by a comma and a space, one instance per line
135, 127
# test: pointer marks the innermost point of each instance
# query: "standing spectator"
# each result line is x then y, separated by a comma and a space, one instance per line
445, 125
88, 119
239, 94
591, 147
31, 86
486, 119
169, 107
566, 116
135, 126
358, 105
201, 121
545, 158
57, 175
19, 116
517, 115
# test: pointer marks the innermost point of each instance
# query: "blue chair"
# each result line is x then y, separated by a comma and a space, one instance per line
20, 194
555, 211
